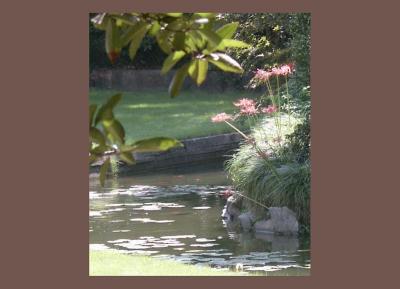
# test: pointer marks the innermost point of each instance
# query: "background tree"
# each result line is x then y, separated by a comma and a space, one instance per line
190, 41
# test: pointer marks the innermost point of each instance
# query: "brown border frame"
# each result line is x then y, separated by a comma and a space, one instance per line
44, 111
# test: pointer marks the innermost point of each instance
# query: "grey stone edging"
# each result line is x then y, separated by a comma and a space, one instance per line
194, 151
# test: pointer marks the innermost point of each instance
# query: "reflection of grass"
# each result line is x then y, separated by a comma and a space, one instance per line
153, 113
109, 263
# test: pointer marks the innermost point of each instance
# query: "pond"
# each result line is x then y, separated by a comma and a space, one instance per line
177, 215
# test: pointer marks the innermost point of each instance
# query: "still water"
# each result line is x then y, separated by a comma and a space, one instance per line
176, 215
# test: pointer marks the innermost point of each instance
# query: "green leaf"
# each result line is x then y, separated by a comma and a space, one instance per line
171, 60
115, 131
137, 40
100, 21
130, 33
198, 70
174, 14
155, 27
126, 19
231, 43
92, 158
177, 81
127, 157
197, 39
213, 39
179, 41
103, 171
105, 111
97, 136
225, 62
228, 30
163, 41
155, 144
113, 41
92, 111
206, 15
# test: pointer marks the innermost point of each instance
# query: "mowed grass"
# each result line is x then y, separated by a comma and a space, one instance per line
111, 263
153, 113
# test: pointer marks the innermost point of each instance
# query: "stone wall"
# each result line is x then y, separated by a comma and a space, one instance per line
130, 79
195, 151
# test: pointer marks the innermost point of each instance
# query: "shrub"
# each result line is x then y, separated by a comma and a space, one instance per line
287, 184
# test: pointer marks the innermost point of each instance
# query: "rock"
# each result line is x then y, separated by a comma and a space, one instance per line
280, 243
282, 221
247, 220
232, 208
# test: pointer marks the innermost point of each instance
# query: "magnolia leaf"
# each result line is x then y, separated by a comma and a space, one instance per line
198, 70
137, 40
130, 33
213, 39
92, 158
155, 144
225, 62
231, 43
171, 60
197, 39
105, 111
228, 30
103, 171
127, 157
206, 15
179, 41
113, 41
163, 41
97, 136
174, 14
100, 21
155, 27
92, 111
177, 81
115, 130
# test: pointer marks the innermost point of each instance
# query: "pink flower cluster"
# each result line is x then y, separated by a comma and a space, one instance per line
269, 109
282, 70
221, 117
247, 106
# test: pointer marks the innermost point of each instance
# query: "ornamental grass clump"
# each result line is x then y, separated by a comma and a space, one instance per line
267, 168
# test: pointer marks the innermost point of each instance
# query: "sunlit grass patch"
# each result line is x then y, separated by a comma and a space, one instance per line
153, 113
111, 263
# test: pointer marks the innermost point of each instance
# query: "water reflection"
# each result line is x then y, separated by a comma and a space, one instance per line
182, 222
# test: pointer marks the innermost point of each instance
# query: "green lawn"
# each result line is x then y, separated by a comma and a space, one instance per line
153, 113
110, 263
